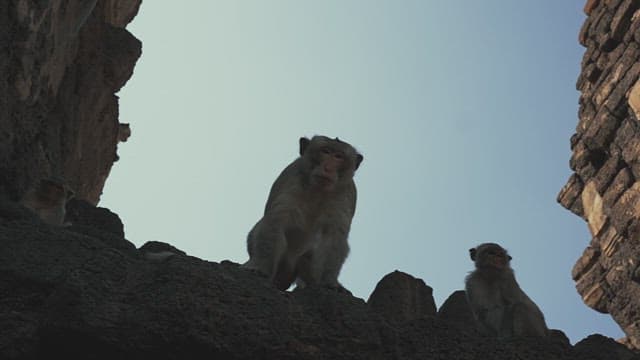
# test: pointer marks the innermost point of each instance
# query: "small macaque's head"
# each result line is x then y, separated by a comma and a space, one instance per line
53, 192
490, 256
328, 163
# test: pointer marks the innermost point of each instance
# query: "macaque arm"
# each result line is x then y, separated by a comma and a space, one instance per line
266, 245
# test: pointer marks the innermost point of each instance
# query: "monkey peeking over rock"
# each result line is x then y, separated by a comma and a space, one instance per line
302, 236
498, 304
48, 199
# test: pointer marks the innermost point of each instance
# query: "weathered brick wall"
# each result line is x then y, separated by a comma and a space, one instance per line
606, 162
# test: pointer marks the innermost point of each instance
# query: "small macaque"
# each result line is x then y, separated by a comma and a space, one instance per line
500, 307
48, 199
124, 131
302, 236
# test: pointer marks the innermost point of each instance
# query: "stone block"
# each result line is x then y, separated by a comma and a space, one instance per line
619, 185
633, 27
602, 130
586, 113
580, 157
634, 99
593, 289
622, 18
621, 89
589, 258
601, 20
626, 208
570, 191
609, 241
584, 32
618, 72
590, 5
631, 150
612, 4
627, 131
593, 209
607, 173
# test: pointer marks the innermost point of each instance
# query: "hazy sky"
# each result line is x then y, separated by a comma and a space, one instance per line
463, 111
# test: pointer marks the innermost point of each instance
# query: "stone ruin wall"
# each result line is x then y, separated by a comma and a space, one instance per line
62, 63
604, 189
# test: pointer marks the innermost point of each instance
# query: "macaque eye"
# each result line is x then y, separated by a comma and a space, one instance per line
325, 150
338, 156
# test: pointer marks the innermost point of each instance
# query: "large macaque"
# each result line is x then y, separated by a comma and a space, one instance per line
302, 236
500, 307
48, 199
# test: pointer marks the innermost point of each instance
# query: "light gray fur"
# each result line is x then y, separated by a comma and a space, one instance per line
303, 233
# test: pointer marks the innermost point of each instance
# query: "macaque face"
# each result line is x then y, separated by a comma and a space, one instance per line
491, 256
326, 173
330, 162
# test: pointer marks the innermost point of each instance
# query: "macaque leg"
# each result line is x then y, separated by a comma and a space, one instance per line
527, 321
284, 275
333, 257
322, 266
305, 269
266, 246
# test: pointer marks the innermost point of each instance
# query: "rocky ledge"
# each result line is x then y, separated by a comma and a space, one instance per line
84, 291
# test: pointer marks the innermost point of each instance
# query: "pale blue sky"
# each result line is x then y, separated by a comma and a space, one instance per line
463, 111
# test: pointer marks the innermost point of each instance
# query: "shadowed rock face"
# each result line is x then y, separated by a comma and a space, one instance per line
606, 162
400, 297
63, 62
456, 310
84, 291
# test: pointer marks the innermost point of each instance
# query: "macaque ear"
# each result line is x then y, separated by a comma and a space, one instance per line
509, 256
359, 159
472, 254
304, 142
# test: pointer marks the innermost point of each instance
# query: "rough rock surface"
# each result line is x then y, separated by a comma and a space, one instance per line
606, 162
71, 292
62, 63
456, 309
400, 297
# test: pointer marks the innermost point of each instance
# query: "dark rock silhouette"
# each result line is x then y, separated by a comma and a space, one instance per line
70, 292
456, 310
400, 297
